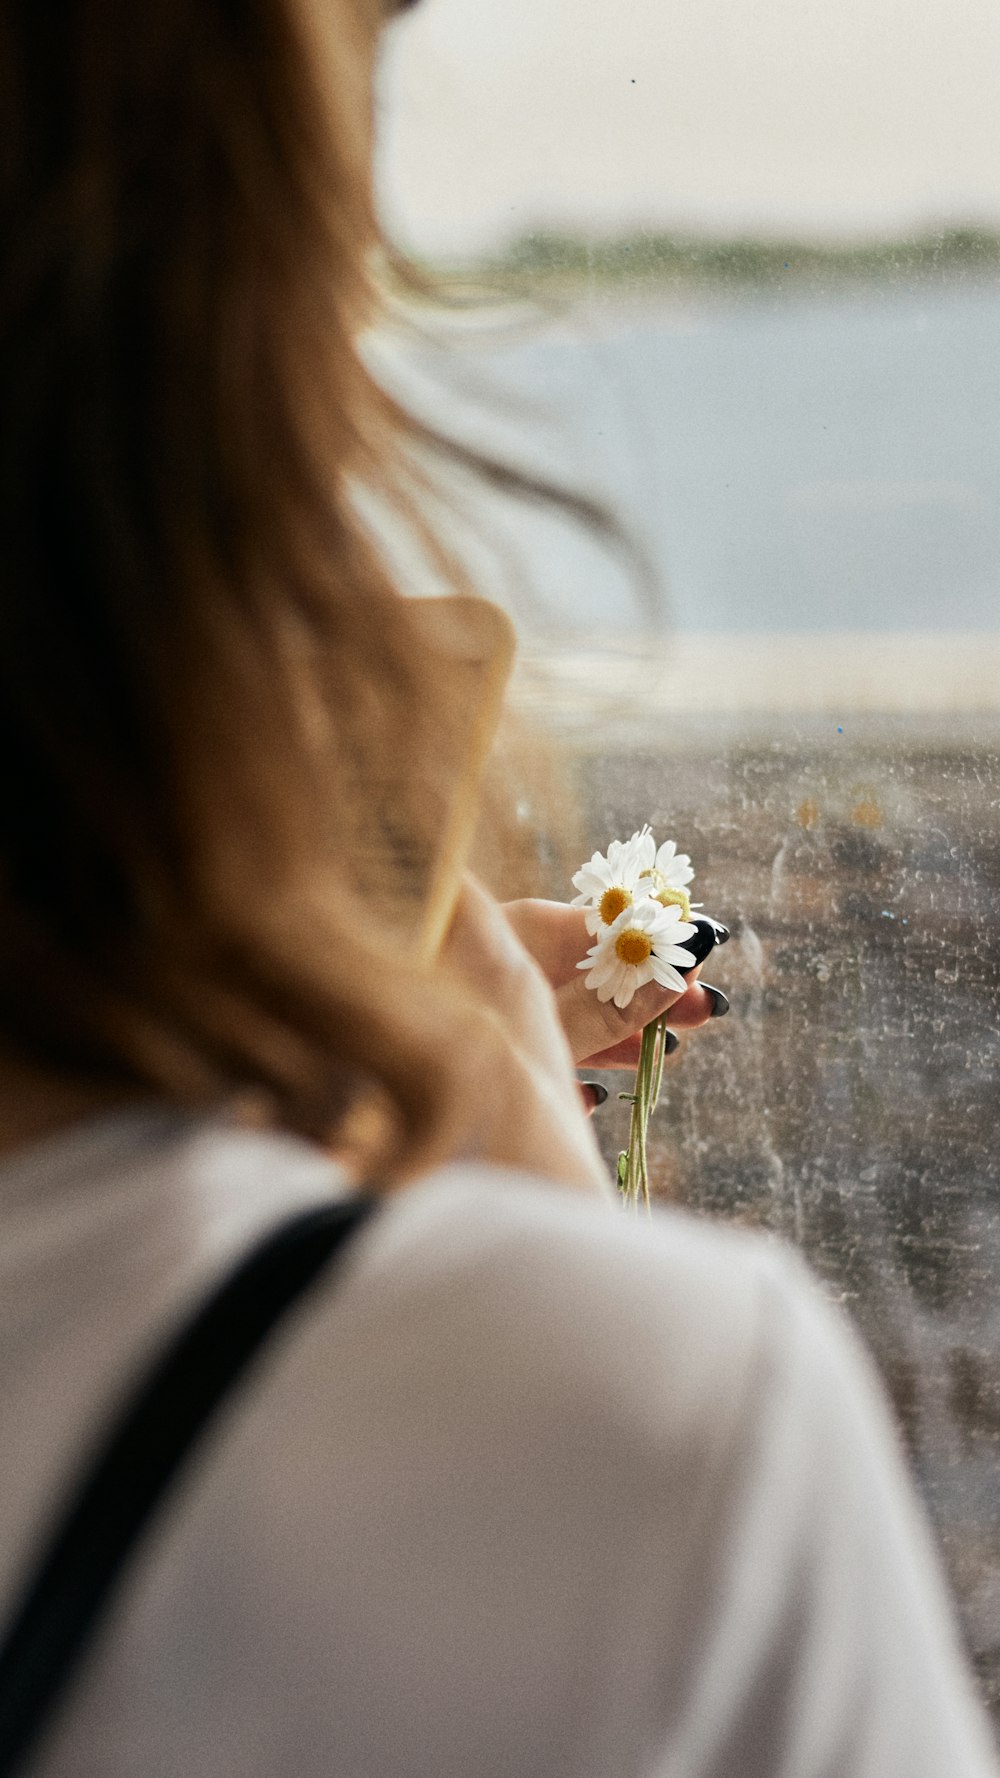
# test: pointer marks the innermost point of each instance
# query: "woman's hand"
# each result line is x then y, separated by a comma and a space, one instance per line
600, 1035
523, 1099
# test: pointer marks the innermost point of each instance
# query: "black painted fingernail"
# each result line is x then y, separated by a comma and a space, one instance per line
720, 1005
671, 1042
595, 1092
722, 933
702, 941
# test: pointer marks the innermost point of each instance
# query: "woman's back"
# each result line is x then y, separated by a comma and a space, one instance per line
523, 1489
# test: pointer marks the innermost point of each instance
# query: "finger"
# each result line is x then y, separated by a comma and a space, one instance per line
593, 1094
688, 1013
555, 935
620, 1055
626, 1055
479, 942
593, 1026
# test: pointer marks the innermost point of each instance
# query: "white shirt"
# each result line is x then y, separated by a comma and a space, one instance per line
527, 1489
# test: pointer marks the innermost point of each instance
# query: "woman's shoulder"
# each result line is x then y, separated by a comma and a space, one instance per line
557, 1478
665, 1321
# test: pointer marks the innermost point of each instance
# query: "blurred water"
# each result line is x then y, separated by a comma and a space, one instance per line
815, 460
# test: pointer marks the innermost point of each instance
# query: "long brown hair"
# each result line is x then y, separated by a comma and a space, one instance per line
229, 744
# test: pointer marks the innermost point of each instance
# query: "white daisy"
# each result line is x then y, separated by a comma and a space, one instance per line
665, 872
674, 867
644, 944
609, 883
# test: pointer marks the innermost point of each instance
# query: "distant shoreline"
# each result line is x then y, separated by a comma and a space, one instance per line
652, 260
941, 680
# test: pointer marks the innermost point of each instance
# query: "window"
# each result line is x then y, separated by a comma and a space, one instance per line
762, 251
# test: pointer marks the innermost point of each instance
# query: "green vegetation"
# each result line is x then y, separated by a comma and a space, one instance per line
659, 261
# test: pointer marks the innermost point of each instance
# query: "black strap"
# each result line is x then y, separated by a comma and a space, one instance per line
147, 1445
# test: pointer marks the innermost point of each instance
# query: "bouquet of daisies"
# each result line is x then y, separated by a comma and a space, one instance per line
638, 913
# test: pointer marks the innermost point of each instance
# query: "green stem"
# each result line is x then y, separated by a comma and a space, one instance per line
661, 1031
633, 1164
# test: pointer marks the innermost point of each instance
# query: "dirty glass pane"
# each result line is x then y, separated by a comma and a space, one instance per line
849, 1102
774, 359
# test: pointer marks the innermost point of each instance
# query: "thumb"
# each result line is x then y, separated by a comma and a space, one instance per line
593, 1025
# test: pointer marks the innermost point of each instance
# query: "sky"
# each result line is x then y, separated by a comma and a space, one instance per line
819, 117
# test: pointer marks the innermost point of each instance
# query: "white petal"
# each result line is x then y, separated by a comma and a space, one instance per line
625, 863
675, 954
644, 847
594, 958
675, 866
667, 977
603, 964
603, 941
662, 923
683, 958
592, 880
626, 990
619, 857
617, 972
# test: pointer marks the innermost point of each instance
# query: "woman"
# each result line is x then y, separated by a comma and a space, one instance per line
521, 1488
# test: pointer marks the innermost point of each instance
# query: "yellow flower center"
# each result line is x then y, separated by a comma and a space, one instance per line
612, 903
633, 946
675, 898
